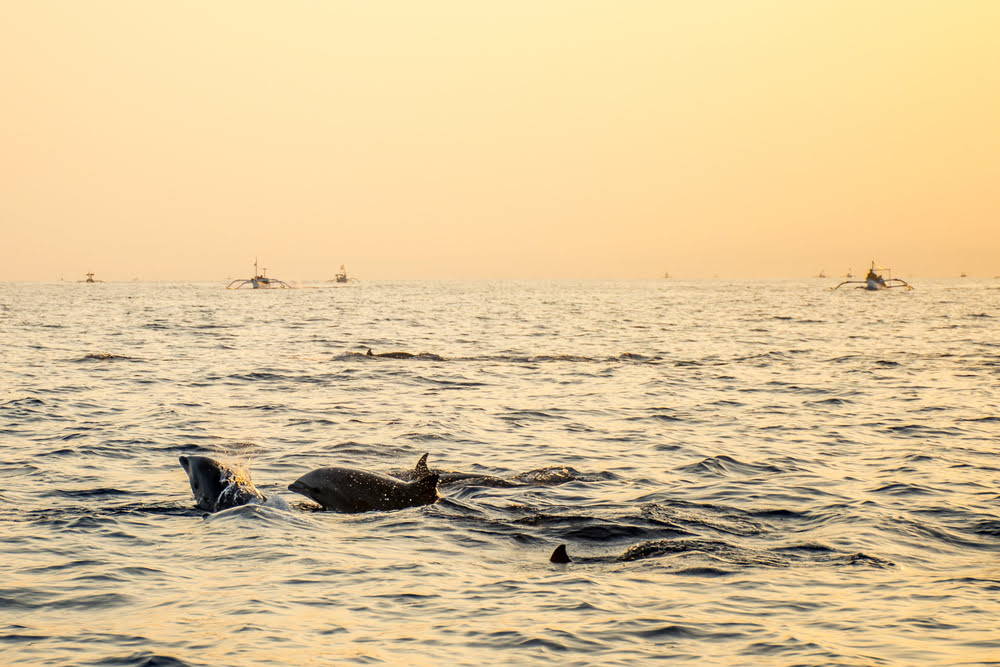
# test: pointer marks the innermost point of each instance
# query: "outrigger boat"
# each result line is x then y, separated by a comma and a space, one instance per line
259, 280
342, 276
874, 281
90, 279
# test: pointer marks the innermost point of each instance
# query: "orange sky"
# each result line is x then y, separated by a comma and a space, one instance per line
515, 139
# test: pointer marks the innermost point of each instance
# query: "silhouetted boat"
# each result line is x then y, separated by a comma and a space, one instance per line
90, 279
259, 280
874, 281
342, 276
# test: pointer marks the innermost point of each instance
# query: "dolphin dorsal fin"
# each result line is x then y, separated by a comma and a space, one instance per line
560, 555
421, 468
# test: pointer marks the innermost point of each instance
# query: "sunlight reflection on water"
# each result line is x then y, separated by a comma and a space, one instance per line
745, 472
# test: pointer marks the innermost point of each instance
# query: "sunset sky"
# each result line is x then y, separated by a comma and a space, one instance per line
517, 139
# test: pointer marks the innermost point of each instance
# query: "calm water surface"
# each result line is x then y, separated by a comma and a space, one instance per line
743, 473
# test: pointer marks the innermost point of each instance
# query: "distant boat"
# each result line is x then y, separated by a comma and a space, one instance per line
849, 274
90, 279
259, 280
342, 276
666, 274
822, 274
964, 275
874, 281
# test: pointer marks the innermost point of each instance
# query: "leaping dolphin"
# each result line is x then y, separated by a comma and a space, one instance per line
218, 486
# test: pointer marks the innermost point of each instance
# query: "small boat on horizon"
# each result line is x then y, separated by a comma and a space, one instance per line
874, 281
90, 279
340, 277
259, 280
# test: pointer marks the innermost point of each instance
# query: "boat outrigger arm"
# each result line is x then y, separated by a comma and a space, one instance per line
259, 280
874, 281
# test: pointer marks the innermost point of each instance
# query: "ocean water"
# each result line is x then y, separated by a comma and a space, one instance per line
763, 472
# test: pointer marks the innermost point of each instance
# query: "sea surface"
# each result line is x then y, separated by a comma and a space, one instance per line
744, 473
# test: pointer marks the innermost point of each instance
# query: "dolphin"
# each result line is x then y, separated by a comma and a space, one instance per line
724, 558
404, 355
350, 490
655, 548
448, 477
218, 486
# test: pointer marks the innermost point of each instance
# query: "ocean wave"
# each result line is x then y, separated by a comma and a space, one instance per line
703, 445
903, 489
556, 475
511, 358
830, 401
26, 403
922, 430
726, 465
142, 659
100, 492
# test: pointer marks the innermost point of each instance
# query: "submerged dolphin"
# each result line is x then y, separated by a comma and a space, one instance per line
560, 555
404, 355
218, 486
447, 477
350, 490
720, 554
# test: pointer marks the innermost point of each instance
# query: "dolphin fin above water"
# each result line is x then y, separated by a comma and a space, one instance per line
449, 477
421, 469
560, 555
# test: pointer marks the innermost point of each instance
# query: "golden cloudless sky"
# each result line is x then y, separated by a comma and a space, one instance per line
514, 139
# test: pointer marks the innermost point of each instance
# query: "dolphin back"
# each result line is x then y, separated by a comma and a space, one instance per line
351, 490
425, 489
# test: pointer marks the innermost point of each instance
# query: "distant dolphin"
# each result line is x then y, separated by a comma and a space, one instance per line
720, 552
350, 490
404, 355
447, 477
218, 486
653, 548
